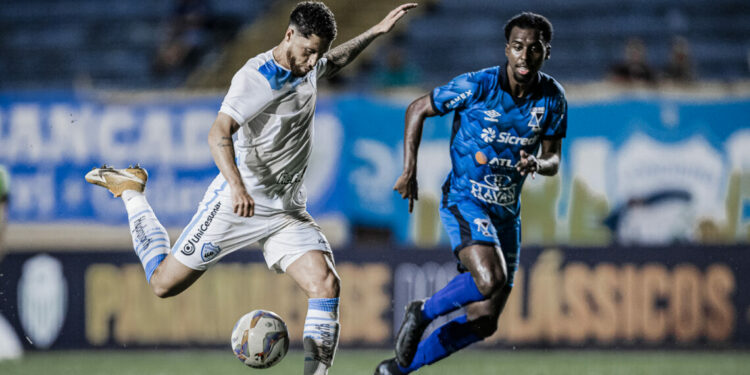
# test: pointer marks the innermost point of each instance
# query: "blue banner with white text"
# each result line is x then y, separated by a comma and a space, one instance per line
650, 170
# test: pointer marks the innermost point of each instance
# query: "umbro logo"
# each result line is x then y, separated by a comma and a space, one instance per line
492, 115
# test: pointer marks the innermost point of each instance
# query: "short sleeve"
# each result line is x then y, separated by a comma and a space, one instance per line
321, 67
248, 95
457, 94
558, 123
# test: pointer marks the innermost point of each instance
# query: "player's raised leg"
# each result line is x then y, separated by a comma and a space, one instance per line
165, 275
459, 292
486, 277
315, 274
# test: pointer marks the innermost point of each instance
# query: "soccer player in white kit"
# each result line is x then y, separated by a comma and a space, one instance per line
259, 195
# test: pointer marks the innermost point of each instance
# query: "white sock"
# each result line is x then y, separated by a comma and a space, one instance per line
150, 239
321, 335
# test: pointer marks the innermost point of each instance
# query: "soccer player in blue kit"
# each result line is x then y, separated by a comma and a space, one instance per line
502, 115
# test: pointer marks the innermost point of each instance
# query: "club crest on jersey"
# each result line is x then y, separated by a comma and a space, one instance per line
492, 115
536, 118
209, 251
495, 189
483, 226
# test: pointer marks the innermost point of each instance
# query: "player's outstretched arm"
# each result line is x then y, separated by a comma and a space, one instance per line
343, 54
546, 164
417, 112
222, 149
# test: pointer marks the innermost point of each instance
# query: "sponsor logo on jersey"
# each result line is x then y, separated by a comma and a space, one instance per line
189, 247
508, 138
488, 135
483, 226
492, 115
536, 118
495, 189
209, 251
459, 98
501, 162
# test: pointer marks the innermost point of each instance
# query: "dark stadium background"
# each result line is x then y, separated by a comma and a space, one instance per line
633, 256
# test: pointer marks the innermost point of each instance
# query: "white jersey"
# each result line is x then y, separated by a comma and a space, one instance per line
275, 111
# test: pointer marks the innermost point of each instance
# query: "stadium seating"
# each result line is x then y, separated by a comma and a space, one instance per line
106, 43
589, 35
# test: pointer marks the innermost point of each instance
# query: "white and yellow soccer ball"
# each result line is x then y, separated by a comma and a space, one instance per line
260, 339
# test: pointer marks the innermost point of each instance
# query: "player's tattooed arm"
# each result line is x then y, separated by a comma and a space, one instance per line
343, 54
222, 149
417, 112
546, 164
225, 142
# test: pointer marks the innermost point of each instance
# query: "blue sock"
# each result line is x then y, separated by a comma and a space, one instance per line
444, 341
459, 292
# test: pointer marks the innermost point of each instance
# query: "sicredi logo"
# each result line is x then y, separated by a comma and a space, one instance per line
508, 138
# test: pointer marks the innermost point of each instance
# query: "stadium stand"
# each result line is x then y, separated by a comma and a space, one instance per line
104, 43
107, 43
589, 35
351, 18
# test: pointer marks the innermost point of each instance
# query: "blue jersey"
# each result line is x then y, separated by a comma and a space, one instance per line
490, 128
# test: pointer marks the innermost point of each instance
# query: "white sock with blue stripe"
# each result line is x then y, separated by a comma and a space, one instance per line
150, 239
321, 335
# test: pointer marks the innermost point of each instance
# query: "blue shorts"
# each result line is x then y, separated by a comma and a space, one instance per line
467, 224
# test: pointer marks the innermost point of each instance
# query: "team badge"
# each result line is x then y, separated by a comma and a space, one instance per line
483, 226
536, 118
209, 251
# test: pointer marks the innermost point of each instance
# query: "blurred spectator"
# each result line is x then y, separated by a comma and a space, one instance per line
680, 67
634, 68
396, 71
188, 36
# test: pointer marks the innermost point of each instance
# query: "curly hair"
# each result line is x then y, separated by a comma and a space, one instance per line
529, 20
312, 17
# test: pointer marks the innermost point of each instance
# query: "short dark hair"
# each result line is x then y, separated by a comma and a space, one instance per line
313, 17
529, 20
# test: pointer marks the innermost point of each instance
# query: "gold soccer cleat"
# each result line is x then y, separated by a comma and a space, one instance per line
119, 180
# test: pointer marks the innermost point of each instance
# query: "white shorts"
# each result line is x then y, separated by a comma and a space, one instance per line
216, 231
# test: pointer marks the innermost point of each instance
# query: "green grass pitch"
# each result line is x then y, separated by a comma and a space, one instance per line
355, 362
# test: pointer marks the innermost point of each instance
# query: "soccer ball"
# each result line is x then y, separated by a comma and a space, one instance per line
260, 339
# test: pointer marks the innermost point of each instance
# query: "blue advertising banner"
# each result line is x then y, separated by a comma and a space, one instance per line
650, 170
674, 297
